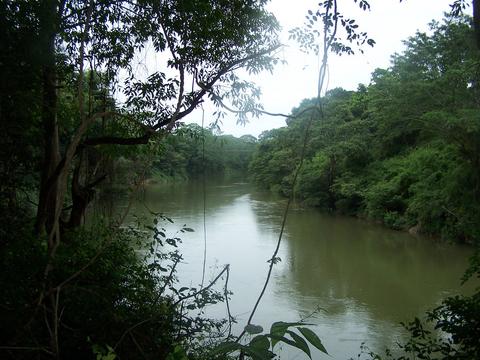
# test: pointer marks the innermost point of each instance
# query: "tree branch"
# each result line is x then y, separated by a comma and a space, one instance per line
205, 88
253, 110
195, 294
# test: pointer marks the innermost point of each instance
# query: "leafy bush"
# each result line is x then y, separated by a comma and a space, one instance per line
112, 300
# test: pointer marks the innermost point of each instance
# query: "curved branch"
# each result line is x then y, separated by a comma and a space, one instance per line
253, 110
195, 294
206, 88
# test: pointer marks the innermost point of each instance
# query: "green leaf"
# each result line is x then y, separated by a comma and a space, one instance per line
177, 354
276, 339
300, 343
260, 342
313, 339
279, 329
253, 329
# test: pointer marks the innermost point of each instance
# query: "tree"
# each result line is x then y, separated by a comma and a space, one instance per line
88, 48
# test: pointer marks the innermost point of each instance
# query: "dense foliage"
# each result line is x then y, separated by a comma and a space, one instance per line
115, 300
187, 153
192, 151
76, 99
403, 150
74, 106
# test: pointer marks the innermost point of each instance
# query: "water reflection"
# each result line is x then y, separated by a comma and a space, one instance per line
365, 278
397, 275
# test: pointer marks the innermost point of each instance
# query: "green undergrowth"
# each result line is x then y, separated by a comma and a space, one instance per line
112, 301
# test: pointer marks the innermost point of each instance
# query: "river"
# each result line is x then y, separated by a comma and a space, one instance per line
362, 278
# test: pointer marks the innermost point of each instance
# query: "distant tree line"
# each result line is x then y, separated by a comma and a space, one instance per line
192, 151
188, 153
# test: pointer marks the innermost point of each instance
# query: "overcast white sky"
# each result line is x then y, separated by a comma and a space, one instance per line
388, 23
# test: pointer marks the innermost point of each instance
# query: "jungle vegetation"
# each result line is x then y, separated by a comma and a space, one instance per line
74, 108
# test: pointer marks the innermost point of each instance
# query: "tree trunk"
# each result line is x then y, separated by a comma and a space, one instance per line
82, 191
51, 156
476, 20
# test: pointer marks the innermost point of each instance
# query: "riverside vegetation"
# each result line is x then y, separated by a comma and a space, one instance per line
404, 150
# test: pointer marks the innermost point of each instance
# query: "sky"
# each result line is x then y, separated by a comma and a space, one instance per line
389, 22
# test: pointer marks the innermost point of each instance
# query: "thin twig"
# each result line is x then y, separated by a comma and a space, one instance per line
138, 346
168, 280
311, 314
220, 101
56, 322
195, 294
230, 317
